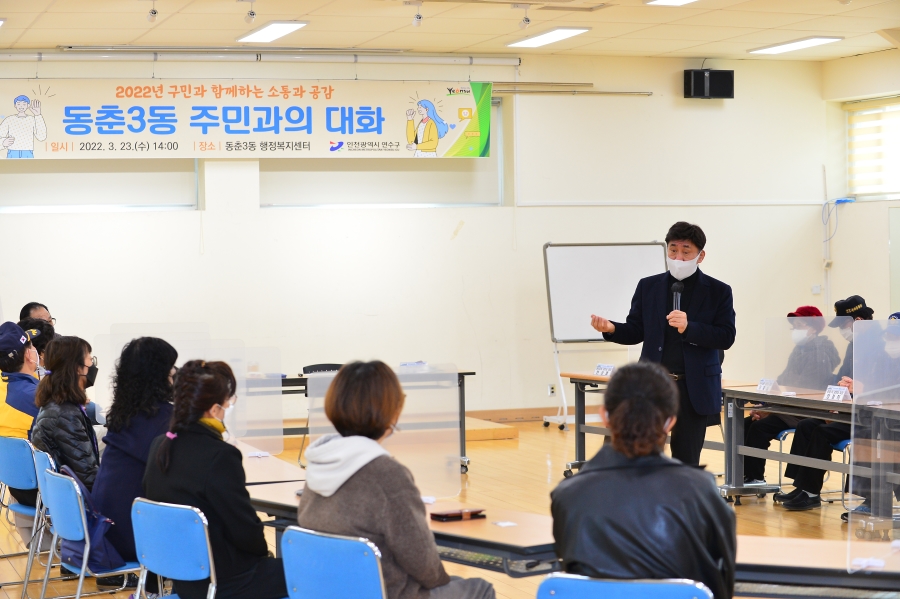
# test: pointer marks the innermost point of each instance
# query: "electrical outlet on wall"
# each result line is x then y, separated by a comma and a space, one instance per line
551, 390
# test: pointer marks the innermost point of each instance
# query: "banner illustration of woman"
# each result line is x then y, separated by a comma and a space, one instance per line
432, 128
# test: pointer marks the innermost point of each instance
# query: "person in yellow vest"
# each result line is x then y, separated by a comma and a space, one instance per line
19, 362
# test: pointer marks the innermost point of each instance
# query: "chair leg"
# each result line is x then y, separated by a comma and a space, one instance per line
47, 572
81, 575
780, 463
139, 592
34, 547
844, 460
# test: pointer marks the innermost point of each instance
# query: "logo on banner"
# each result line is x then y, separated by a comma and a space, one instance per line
455, 91
335, 146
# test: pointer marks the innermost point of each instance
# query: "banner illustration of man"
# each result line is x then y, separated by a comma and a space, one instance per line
432, 128
18, 131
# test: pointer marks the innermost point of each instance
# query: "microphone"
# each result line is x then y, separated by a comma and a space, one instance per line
677, 288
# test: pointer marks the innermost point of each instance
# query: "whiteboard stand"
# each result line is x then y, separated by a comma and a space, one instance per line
562, 418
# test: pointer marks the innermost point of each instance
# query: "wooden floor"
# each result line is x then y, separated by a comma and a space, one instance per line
519, 474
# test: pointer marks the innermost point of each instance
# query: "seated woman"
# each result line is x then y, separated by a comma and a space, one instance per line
62, 427
140, 412
631, 512
192, 465
354, 488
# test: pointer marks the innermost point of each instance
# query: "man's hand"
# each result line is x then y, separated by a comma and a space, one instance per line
677, 319
601, 324
757, 415
846, 382
410, 147
8, 141
36, 107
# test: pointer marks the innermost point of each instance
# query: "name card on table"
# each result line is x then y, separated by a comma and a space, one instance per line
604, 369
835, 393
765, 385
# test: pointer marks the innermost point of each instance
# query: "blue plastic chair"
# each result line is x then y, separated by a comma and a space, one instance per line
17, 472
42, 463
320, 565
570, 586
844, 448
155, 524
63, 500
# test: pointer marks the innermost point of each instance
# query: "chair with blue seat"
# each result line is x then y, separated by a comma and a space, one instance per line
190, 558
319, 565
63, 499
571, 586
17, 472
844, 448
43, 463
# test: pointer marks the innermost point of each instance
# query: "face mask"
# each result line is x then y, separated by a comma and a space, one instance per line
847, 333
91, 376
682, 269
800, 336
892, 348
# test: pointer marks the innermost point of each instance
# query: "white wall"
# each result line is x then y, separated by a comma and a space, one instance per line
864, 76
460, 285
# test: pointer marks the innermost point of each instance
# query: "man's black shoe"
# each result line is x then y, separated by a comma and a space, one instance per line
107, 583
781, 496
803, 502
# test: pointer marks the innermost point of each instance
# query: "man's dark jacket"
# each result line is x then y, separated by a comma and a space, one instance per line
710, 329
648, 517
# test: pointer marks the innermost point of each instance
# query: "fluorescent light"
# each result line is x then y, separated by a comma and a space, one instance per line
807, 42
668, 2
272, 31
554, 35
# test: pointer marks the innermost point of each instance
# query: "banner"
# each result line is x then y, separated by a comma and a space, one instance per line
254, 118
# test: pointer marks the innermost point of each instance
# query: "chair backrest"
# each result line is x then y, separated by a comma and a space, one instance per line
42, 463
63, 499
322, 565
172, 540
16, 464
570, 586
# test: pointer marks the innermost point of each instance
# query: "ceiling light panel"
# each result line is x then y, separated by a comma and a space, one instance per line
807, 42
272, 31
550, 37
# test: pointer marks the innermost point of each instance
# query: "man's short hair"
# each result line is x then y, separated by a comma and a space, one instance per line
48, 333
21, 99
682, 231
25, 312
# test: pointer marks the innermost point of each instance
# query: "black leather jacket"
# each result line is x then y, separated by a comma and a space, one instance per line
649, 517
65, 432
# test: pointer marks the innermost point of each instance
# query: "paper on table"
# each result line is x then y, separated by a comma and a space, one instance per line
504, 524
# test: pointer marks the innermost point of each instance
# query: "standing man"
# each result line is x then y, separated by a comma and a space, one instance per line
18, 131
687, 340
36, 310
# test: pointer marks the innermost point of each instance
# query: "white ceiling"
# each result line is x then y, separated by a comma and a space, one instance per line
706, 28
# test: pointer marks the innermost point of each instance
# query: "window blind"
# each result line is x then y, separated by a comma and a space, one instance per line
873, 147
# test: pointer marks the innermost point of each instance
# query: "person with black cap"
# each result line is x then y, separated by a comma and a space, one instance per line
19, 361
813, 437
685, 334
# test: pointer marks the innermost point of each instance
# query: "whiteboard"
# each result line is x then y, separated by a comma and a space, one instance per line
596, 278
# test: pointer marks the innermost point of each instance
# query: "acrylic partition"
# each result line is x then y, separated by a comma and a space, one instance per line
875, 447
257, 418
804, 355
427, 439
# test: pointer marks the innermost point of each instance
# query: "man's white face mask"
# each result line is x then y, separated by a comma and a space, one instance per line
800, 336
847, 333
682, 269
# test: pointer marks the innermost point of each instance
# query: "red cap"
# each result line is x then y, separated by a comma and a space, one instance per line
805, 311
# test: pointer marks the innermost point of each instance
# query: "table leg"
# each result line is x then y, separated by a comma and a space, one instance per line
463, 460
579, 431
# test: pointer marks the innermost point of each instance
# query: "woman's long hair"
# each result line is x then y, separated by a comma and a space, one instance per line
63, 357
640, 398
199, 386
431, 111
141, 382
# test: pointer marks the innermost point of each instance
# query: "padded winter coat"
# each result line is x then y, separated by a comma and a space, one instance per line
65, 432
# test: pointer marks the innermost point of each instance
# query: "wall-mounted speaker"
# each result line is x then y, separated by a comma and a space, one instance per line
708, 84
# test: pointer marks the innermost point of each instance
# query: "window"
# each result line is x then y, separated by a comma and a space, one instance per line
873, 147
